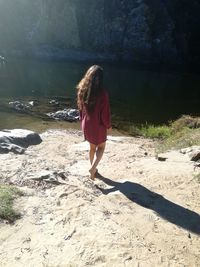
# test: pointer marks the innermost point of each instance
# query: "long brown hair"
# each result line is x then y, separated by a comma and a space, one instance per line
89, 88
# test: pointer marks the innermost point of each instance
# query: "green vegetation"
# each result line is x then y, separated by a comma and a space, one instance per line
149, 131
7, 196
152, 131
181, 133
185, 132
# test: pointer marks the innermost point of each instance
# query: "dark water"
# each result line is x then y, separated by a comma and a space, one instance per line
136, 96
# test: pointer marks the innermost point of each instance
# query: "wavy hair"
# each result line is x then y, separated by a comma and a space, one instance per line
89, 88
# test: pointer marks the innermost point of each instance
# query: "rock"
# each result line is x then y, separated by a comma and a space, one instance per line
33, 103
48, 176
54, 102
66, 115
193, 152
19, 106
186, 150
17, 140
2, 58
161, 158
6, 148
195, 155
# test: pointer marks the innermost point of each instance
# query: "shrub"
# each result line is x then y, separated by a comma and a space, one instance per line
7, 196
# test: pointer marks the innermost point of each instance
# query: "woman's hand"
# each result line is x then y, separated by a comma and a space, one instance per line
109, 131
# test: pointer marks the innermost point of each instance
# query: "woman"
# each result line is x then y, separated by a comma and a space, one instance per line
93, 103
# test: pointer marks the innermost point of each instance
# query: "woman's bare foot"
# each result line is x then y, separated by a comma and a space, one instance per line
92, 173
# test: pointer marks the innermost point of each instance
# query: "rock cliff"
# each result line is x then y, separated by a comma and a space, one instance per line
138, 31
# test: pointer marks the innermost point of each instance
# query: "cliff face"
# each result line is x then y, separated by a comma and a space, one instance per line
142, 31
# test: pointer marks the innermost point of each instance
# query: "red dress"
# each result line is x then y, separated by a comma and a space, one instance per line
95, 124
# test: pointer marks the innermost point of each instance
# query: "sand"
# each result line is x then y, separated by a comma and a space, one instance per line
140, 212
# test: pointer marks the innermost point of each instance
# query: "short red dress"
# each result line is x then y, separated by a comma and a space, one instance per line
95, 124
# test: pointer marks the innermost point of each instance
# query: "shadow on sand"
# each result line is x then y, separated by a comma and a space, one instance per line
168, 210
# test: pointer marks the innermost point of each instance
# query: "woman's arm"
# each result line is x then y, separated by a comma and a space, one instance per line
105, 112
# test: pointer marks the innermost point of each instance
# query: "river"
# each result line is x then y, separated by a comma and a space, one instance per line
136, 96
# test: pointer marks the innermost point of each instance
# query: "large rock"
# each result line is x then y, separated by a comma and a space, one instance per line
17, 140
70, 115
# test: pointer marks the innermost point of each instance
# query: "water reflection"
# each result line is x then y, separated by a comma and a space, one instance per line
137, 96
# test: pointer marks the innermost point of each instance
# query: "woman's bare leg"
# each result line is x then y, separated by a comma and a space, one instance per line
99, 153
92, 152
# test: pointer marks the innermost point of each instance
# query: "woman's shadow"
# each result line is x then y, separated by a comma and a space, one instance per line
168, 210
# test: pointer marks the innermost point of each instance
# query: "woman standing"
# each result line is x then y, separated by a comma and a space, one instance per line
93, 103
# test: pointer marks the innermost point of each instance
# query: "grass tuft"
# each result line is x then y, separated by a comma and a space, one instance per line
7, 196
152, 131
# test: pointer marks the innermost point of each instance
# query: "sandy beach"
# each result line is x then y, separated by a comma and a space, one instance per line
139, 212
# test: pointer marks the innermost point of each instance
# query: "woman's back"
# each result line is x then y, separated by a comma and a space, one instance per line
95, 123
